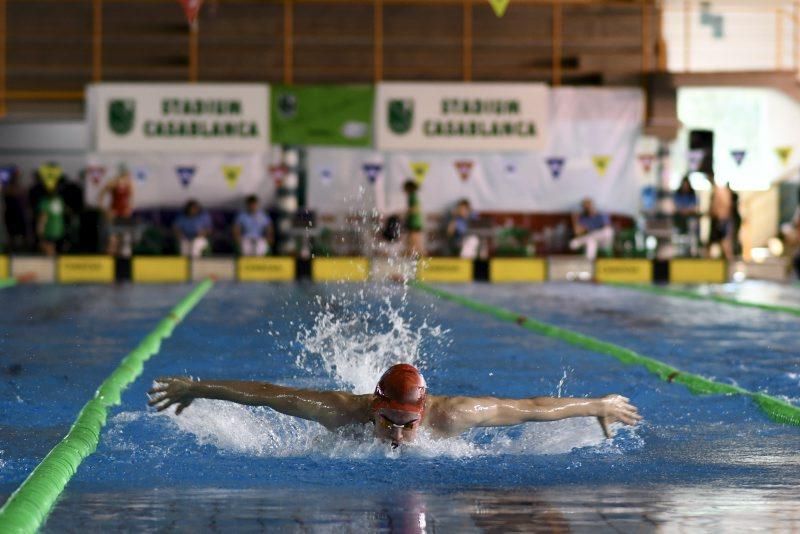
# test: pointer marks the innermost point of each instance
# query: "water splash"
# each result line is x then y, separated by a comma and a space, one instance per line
356, 337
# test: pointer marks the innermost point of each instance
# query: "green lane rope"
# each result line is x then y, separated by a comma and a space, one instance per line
29, 505
776, 409
7, 282
683, 293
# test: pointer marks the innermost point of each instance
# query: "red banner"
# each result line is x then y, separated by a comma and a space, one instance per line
191, 8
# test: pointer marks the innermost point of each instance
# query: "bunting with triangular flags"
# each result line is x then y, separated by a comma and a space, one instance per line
499, 7
372, 171
420, 171
784, 153
646, 161
50, 173
696, 159
191, 8
185, 174
95, 174
601, 163
6, 173
556, 165
464, 168
231, 174
738, 156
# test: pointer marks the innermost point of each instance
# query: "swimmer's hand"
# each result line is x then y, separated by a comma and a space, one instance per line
613, 408
169, 391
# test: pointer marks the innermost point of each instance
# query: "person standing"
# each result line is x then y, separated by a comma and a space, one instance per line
414, 238
50, 227
721, 212
119, 212
15, 212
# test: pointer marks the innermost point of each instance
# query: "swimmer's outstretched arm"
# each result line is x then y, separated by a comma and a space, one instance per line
332, 409
457, 414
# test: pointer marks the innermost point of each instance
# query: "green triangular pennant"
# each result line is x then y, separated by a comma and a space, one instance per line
499, 7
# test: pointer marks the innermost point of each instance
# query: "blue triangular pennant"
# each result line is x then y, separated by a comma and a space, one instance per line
141, 174
372, 171
6, 173
185, 175
738, 156
556, 165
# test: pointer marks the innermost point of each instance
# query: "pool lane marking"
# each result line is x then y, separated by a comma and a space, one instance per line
683, 293
776, 409
7, 282
28, 507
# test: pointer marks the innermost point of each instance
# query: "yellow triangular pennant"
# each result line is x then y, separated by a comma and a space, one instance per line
784, 153
232, 173
50, 174
499, 7
601, 164
420, 170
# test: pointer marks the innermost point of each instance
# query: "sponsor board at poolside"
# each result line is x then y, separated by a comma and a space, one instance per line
167, 117
461, 116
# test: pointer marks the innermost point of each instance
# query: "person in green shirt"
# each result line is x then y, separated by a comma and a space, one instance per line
50, 227
414, 244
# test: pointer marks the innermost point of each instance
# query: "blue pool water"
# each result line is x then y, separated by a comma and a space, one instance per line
710, 462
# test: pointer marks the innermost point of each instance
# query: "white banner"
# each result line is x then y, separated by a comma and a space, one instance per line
591, 152
461, 116
169, 180
176, 117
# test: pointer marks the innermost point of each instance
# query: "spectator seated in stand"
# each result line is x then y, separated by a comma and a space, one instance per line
253, 230
459, 241
685, 218
592, 229
192, 229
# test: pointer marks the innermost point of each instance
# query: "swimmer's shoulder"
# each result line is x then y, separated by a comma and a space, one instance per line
444, 414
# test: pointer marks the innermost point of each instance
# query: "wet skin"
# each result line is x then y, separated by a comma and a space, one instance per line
442, 416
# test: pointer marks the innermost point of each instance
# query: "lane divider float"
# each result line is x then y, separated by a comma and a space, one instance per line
7, 282
776, 409
683, 293
28, 507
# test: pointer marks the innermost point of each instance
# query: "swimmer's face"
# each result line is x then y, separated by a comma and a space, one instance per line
396, 426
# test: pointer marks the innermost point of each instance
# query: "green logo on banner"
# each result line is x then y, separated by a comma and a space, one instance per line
121, 113
401, 115
287, 105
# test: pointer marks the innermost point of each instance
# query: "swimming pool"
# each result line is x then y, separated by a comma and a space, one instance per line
696, 462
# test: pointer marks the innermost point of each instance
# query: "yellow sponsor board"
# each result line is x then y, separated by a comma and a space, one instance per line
339, 269
85, 269
698, 271
517, 270
444, 270
160, 269
249, 269
3, 267
624, 270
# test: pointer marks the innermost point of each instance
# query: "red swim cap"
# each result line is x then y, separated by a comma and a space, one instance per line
401, 388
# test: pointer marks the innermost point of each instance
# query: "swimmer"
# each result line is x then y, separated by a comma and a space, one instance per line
399, 406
